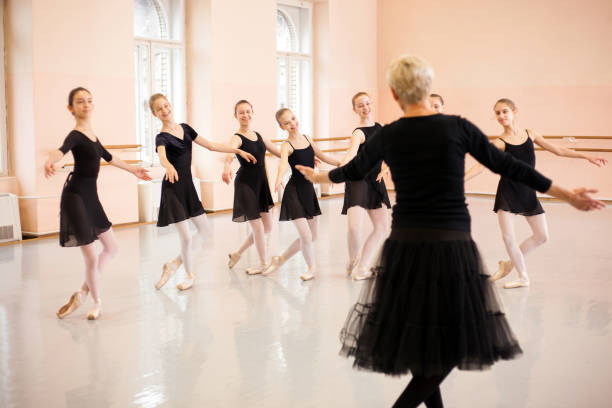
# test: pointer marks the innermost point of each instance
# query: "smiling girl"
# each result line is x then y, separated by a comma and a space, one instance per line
82, 218
252, 197
514, 198
179, 199
300, 203
368, 196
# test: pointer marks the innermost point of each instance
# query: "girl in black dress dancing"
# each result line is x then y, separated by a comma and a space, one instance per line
179, 199
514, 198
431, 306
300, 203
82, 218
368, 196
252, 198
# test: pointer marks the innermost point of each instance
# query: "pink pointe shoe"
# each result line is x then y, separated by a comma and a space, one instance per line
72, 305
233, 259
362, 274
503, 269
167, 272
351, 265
519, 283
275, 263
96, 312
188, 284
256, 270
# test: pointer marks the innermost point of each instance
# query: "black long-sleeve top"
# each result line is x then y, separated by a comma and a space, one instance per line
426, 156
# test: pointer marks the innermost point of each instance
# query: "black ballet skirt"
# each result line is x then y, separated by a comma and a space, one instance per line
251, 188
299, 198
82, 217
367, 193
513, 196
430, 307
179, 200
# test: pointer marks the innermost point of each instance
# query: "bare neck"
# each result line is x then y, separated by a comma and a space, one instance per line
294, 135
169, 124
366, 122
83, 125
243, 130
511, 131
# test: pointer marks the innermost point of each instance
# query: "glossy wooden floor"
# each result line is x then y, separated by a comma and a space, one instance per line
240, 341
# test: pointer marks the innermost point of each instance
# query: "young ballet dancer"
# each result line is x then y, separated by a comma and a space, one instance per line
368, 196
431, 306
436, 102
179, 199
252, 197
300, 203
82, 218
514, 198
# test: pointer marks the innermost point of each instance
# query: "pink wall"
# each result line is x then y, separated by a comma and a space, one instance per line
242, 64
231, 56
558, 72
47, 55
552, 57
352, 59
345, 63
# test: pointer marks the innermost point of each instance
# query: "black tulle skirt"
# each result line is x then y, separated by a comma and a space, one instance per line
251, 194
299, 201
430, 308
82, 217
516, 198
179, 200
368, 194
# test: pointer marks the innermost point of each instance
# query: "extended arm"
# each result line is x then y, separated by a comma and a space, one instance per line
506, 165
356, 169
325, 157
220, 147
272, 147
137, 171
283, 165
384, 170
54, 157
478, 168
565, 152
235, 142
171, 174
356, 139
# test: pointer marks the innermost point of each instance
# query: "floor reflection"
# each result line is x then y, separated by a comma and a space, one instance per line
238, 340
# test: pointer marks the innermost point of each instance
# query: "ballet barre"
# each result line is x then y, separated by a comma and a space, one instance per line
569, 138
125, 147
67, 165
585, 149
319, 139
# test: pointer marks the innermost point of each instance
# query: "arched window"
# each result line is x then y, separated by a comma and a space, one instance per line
3, 142
286, 37
294, 59
159, 57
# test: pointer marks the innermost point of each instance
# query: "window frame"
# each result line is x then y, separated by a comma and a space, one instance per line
297, 57
151, 44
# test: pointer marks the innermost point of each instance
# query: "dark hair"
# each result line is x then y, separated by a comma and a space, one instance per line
506, 101
74, 92
280, 113
437, 96
240, 102
357, 95
155, 97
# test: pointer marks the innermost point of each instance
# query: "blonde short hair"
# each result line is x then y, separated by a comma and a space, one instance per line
410, 77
